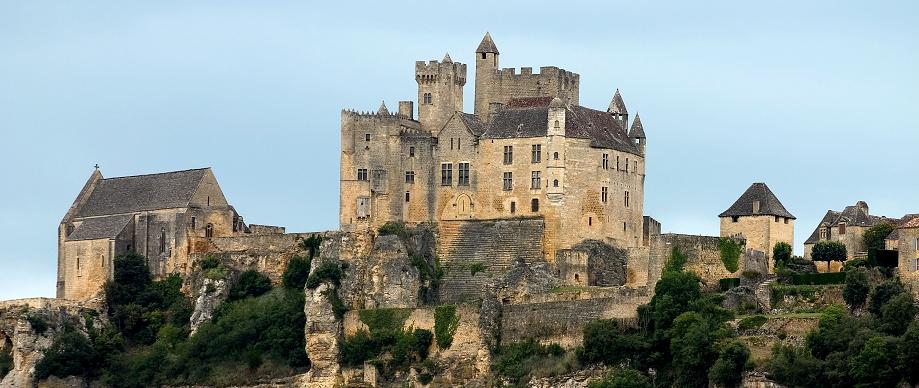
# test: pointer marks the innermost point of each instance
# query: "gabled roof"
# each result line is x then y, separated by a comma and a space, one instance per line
142, 192
826, 220
769, 204
617, 105
472, 122
529, 117
637, 131
100, 228
487, 45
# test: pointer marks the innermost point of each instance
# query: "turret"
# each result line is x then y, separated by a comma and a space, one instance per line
440, 91
486, 68
555, 154
618, 110
637, 134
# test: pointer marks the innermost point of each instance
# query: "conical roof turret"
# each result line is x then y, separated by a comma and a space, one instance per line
447, 59
487, 45
617, 105
637, 131
383, 110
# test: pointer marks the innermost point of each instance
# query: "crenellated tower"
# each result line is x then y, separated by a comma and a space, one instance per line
440, 91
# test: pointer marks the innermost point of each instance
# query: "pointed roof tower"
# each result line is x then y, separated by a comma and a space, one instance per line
383, 110
637, 131
487, 45
756, 201
447, 59
617, 105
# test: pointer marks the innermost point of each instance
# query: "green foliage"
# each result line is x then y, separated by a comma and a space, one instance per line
728, 283
908, 354
828, 251
38, 323
795, 366
71, 354
729, 367
384, 321
446, 321
857, 287
213, 269
623, 378
250, 283
137, 306
674, 294
607, 341
326, 272
874, 239
883, 293
897, 314
693, 346
396, 228
519, 361
296, 273
386, 337
730, 253
476, 268
818, 278
676, 261
6, 361
752, 322
854, 263
338, 306
780, 291
876, 364
781, 254
311, 244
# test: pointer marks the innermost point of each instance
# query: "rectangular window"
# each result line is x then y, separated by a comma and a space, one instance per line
776, 218
463, 174
409, 177
451, 143
786, 219
635, 165
626, 164
536, 179
411, 152
917, 244
458, 143
362, 174
842, 228
366, 137
446, 174
606, 161
508, 154
604, 193
407, 196
537, 153
617, 162
626, 199
508, 181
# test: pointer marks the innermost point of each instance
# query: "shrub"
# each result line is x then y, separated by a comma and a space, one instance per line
857, 287
676, 261
386, 336
623, 378
729, 367
875, 365
250, 283
518, 361
752, 322
855, 263
795, 366
730, 253
607, 341
384, 321
71, 354
874, 239
38, 323
311, 244
819, 278
728, 283
296, 273
897, 314
328, 271
209, 262
394, 228
446, 321
476, 268
883, 293
781, 254
338, 306
356, 349
423, 339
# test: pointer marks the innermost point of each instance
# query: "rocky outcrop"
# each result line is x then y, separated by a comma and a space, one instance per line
606, 264
210, 294
393, 281
522, 280
578, 379
323, 333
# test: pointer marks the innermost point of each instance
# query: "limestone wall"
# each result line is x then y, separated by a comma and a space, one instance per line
703, 255
761, 232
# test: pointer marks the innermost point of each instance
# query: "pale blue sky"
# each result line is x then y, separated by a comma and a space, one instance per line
818, 99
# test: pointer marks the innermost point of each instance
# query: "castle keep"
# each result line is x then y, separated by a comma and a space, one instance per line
528, 150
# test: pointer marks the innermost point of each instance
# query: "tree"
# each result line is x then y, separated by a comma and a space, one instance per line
298, 270
829, 251
897, 314
623, 378
729, 367
250, 283
909, 353
795, 366
876, 364
884, 293
874, 239
781, 254
857, 287
692, 345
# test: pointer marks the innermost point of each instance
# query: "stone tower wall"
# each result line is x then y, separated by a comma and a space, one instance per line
444, 81
761, 232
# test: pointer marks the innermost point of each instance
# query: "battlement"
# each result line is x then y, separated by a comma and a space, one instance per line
432, 71
544, 72
370, 115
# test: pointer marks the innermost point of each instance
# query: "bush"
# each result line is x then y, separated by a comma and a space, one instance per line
730, 253
71, 354
676, 261
855, 263
875, 365
338, 306
897, 314
623, 378
326, 272
728, 283
311, 244
386, 336
607, 341
476, 268
795, 366
883, 293
519, 361
38, 323
446, 321
874, 239
752, 322
296, 273
857, 287
819, 278
781, 254
729, 367
250, 283
394, 228
423, 339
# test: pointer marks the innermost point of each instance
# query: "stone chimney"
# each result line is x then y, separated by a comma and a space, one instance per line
407, 109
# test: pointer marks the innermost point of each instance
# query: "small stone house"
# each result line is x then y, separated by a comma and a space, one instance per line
760, 218
848, 226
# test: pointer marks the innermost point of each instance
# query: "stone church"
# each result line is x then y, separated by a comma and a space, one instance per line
528, 151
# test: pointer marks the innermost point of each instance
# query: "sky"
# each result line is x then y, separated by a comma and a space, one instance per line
818, 99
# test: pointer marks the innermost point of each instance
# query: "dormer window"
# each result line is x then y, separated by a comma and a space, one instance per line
755, 207
823, 235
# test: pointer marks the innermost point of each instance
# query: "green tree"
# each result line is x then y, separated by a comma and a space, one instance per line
729, 367
876, 364
883, 293
781, 254
296, 273
874, 239
693, 340
250, 283
829, 251
607, 341
908, 354
794, 366
897, 314
857, 287
71, 354
623, 378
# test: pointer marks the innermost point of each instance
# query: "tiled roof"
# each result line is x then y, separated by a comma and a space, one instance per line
769, 204
857, 216
487, 45
828, 218
476, 126
100, 228
529, 117
637, 131
913, 223
142, 192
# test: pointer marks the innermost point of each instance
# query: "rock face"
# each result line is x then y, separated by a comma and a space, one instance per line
323, 333
578, 379
210, 295
27, 342
606, 264
521, 280
392, 280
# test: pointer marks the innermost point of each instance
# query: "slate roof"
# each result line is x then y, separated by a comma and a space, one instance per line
617, 105
769, 204
476, 126
529, 117
637, 130
828, 218
100, 228
856, 216
142, 192
487, 45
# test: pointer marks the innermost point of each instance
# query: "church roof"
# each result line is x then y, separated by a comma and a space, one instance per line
142, 192
487, 45
769, 204
637, 130
617, 105
529, 117
100, 228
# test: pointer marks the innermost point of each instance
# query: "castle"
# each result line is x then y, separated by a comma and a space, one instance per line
528, 150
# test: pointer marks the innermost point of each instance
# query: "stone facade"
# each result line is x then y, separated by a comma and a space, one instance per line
528, 150
759, 218
848, 227
908, 250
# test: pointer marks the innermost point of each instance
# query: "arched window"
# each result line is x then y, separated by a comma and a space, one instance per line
162, 240
209, 231
534, 205
556, 124
555, 183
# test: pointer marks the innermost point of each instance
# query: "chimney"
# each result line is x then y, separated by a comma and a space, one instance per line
406, 109
494, 108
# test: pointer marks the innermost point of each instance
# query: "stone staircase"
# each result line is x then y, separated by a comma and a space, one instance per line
763, 293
